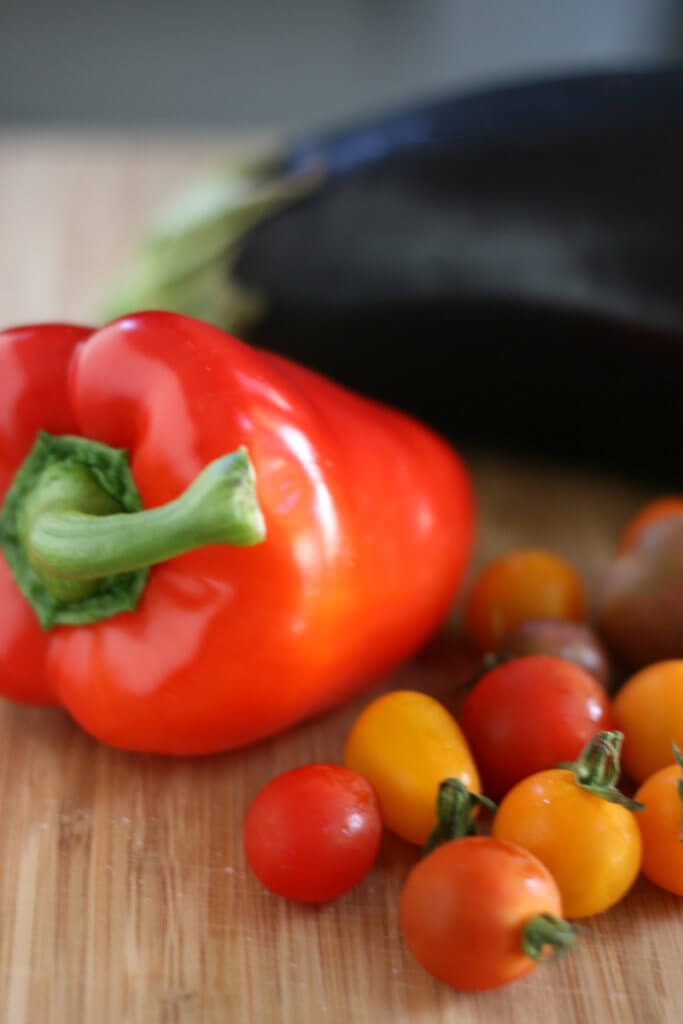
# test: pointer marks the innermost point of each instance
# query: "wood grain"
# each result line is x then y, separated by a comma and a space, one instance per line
124, 893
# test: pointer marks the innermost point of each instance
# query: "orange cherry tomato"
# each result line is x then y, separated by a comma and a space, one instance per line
591, 846
661, 508
661, 827
649, 711
522, 585
406, 744
465, 907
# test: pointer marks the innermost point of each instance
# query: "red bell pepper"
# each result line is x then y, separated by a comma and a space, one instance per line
316, 556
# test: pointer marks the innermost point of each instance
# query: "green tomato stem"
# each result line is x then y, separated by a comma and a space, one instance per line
546, 930
679, 762
490, 660
597, 769
455, 813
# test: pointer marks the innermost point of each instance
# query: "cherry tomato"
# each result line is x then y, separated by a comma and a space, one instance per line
527, 584
661, 508
574, 641
406, 744
313, 833
464, 908
661, 827
591, 847
649, 711
530, 714
640, 604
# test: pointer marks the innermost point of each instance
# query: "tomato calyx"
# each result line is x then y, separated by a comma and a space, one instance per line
546, 930
455, 813
489, 661
679, 762
597, 769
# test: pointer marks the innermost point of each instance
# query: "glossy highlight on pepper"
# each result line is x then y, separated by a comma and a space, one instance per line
367, 521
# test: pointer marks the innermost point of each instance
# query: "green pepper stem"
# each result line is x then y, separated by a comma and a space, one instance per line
546, 930
72, 535
455, 813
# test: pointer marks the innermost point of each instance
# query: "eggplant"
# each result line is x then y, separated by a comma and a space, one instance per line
505, 264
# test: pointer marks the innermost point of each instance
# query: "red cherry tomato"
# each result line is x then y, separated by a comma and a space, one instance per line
528, 715
313, 833
469, 909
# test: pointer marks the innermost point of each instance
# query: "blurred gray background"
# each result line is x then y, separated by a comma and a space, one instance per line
287, 64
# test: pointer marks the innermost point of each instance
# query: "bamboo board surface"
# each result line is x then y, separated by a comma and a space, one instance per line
124, 896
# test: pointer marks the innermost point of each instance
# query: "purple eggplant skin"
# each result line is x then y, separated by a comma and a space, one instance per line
507, 265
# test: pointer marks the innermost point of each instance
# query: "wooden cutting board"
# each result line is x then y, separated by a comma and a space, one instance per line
124, 896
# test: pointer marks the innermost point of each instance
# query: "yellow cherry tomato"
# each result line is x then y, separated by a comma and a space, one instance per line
406, 743
521, 585
661, 828
591, 847
649, 711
